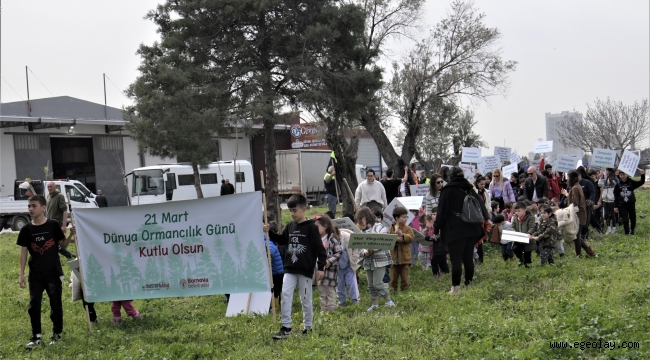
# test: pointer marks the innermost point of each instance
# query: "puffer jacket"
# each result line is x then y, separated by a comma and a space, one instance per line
448, 224
277, 267
568, 222
352, 254
526, 226
401, 253
546, 232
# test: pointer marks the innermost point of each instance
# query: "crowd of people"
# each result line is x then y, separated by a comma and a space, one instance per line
544, 207
458, 215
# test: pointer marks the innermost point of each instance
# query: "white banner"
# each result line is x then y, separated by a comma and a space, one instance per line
605, 158
174, 249
420, 190
565, 163
471, 155
503, 153
508, 170
468, 170
543, 147
388, 211
488, 164
514, 158
629, 162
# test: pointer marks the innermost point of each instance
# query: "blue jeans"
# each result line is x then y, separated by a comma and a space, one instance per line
331, 203
506, 251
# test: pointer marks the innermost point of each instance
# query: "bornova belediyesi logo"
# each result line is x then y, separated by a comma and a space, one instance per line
194, 283
297, 131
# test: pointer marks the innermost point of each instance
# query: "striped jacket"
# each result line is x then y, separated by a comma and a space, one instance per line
333, 255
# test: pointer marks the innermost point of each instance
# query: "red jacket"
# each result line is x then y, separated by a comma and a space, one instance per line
553, 189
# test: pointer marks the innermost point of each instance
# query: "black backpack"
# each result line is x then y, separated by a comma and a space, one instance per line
471, 213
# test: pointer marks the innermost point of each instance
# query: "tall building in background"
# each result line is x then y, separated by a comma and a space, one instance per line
552, 133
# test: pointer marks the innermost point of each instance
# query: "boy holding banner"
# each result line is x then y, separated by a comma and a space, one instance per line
41, 239
304, 249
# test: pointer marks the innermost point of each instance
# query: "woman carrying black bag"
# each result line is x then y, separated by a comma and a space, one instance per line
458, 235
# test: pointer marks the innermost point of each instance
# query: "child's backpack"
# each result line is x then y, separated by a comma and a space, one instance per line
471, 212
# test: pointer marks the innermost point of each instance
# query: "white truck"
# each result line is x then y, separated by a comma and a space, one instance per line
172, 182
13, 209
302, 172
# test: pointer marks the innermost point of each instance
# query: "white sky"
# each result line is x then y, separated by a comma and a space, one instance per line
569, 53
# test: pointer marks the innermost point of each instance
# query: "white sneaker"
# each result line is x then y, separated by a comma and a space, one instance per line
613, 229
373, 307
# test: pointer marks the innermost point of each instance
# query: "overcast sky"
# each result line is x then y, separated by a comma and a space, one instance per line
569, 53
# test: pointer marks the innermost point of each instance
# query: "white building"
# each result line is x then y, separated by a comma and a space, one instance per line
81, 140
553, 133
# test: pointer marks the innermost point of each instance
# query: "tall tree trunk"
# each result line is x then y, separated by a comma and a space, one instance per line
346, 156
197, 180
271, 186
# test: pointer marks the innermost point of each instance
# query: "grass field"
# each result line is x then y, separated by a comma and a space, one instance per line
509, 312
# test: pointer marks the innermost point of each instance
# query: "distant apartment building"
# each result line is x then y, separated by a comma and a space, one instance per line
553, 133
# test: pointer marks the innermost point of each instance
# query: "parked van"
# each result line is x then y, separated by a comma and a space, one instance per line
13, 209
173, 182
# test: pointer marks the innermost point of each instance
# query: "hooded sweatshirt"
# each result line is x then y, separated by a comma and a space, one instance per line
304, 248
624, 191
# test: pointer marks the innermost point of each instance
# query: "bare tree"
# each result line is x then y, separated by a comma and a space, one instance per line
606, 125
460, 58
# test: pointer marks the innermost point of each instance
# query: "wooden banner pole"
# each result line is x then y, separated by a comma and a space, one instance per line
81, 276
350, 194
268, 242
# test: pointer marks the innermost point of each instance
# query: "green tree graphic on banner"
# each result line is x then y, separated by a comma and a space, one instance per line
115, 287
95, 277
118, 260
151, 273
241, 272
175, 267
205, 268
253, 272
228, 271
130, 275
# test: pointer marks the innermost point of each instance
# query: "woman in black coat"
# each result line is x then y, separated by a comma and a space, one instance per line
459, 236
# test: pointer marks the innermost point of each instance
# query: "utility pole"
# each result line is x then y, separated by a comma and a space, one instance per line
105, 104
29, 107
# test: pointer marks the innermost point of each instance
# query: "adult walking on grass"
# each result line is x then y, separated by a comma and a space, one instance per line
459, 236
576, 197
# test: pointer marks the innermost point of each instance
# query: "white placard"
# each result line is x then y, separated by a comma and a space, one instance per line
543, 147
447, 166
468, 170
489, 163
535, 163
471, 155
419, 238
411, 202
514, 158
347, 224
604, 158
503, 153
565, 163
259, 303
508, 235
629, 162
508, 170
388, 212
74, 265
420, 190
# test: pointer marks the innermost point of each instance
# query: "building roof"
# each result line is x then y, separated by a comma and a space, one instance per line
64, 107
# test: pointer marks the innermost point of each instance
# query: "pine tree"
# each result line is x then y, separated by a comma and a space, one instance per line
229, 273
118, 259
95, 279
254, 267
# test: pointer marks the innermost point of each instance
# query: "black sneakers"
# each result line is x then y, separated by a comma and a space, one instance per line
282, 334
33, 342
306, 331
55, 338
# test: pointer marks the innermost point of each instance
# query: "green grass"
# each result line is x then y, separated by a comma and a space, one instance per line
509, 312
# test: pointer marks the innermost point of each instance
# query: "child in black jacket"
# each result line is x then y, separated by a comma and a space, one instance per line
304, 249
625, 201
